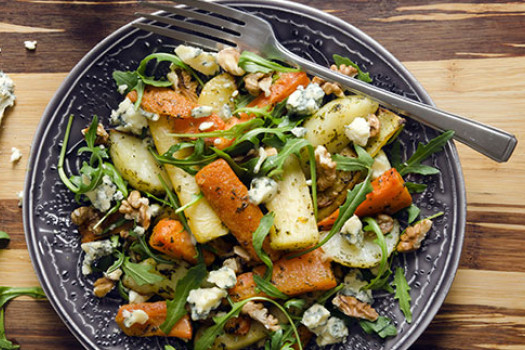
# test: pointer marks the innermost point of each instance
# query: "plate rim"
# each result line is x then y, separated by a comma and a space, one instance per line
459, 220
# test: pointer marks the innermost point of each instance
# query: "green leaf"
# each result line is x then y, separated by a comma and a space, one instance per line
169, 347
258, 238
413, 212
8, 293
295, 303
141, 273
395, 154
116, 178
273, 166
420, 169
252, 63
353, 198
372, 226
363, 161
176, 307
402, 293
329, 293
413, 187
128, 78
423, 152
268, 288
4, 239
163, 57
339, 60
383, 326
4, 343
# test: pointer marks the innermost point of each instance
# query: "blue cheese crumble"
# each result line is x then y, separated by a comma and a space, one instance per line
148, 115
315, 317
201, 111
7, 93
304, 102
352, 231
102, 196
133, 317
262, 189
203, 300
353, 287
16, 155
335, 331
93, 251
224, 277
30, 45
127, 119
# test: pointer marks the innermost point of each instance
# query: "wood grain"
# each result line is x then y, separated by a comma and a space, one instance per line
468, 54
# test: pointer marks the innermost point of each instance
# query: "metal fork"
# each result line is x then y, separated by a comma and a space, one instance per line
214, 26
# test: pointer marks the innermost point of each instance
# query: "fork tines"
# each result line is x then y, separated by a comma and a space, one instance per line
200, 24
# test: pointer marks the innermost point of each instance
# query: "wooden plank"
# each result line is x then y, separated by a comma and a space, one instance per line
17, 270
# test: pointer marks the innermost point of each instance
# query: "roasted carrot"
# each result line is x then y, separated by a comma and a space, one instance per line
388, 196
164, 101
307, 273
228, 197
156, 316
281, 89
170, 238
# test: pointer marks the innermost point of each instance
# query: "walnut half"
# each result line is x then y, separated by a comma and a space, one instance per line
258, 312
136, 208
413, 236
103, 286
352, 307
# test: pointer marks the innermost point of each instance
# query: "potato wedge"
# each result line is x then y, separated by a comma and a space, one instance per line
135, 163
202, 61
327, 126
369, 255
295, 225
217, 93
391, 124
202, 220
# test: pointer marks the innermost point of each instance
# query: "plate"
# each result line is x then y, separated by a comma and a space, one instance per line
89, 90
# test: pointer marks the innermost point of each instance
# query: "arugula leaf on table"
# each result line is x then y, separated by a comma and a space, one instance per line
383, 326
413, 187
4, 239
402, 293
141, 273
252, 63
413, 164
339, 60
176, 306
4, 343
363, 161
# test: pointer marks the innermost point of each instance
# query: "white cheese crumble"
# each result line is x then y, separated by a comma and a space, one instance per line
380, 165
16, 155
127, 119
30, 45
114, 275
201, 111
20, 196
203, 300
133, 317
305, 102
136, 298
262, 189
224, 277
335, 331
299, 131
315, 317
93, 251
202, 61
149, 115
7, 93
104, 194
353, 287
323, 156
226, 112
352, 231
358, 131
262, 158
206, 126
122, 88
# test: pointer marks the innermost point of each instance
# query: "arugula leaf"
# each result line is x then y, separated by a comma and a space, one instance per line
60, 166
169, 347
281, 339
4, 343
128, 78
363, 161
174, 204
163, 57
268, 288
4, 239
273, 166
233, 133
141, 273
383, 326
413, 187
413, 164
353, 198
395, 154
339, 60
380, 240
295, 303
176, 307
402, 293
252, 63
258, 238
413, 212
326, 295
207, 337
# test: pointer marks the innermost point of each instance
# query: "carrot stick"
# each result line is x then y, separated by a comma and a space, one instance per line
164, 101
156, 316
281, 89
306, 273
228, 197
389, 195
170, 238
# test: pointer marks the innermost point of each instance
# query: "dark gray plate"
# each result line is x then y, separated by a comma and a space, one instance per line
89, 89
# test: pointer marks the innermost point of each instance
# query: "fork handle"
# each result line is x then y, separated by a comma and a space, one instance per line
494, 143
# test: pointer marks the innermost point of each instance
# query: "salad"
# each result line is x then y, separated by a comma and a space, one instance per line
234, 201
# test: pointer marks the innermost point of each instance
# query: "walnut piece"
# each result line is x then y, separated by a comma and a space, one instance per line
257, 82
413, 236
228, 59
102, 135
86, 218
335, 88
183, 83
258, 312
103, 286
385, 222
374, 123
136, 208
352, 307
325, 168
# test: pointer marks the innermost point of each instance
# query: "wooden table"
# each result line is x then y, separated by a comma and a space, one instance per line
469, 56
